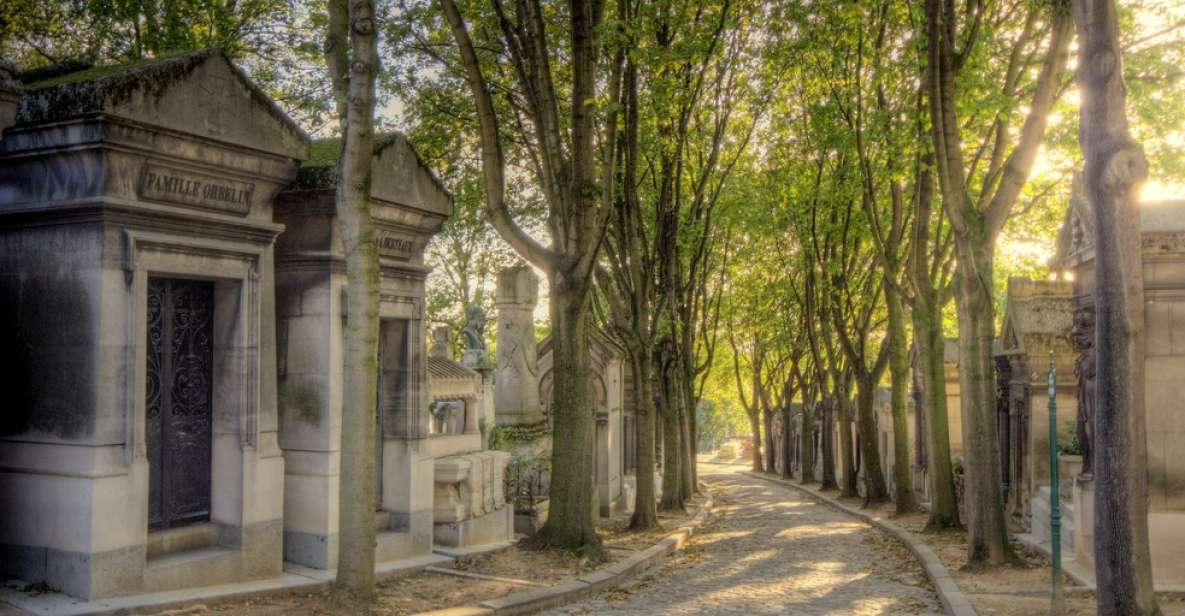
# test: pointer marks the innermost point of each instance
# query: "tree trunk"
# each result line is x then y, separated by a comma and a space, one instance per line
570, 520
787, 442
987, 532
692, 437
927, 327
1115, 168
827, 446
874, 476
806, 455
686, 449
672, 483
755, 426
767, 419
356, 496
899, 378
645, 514
850, 485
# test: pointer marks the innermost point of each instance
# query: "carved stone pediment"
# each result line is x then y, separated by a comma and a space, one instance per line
198, 92
1075, 239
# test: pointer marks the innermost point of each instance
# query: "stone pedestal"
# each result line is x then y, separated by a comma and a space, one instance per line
516, 387
470, 506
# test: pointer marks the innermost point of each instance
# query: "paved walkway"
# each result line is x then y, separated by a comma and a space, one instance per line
771, 550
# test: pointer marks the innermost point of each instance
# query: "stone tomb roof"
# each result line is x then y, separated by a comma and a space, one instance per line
409, 203
184, 136
400, 175
1162, 227
1036, 309
449, 379
197, 92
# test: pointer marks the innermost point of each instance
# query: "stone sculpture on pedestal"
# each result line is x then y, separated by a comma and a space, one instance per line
474, 334
1084, 371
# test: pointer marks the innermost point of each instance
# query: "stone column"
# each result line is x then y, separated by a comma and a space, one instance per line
516, 387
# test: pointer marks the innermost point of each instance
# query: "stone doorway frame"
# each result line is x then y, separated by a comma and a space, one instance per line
234, 269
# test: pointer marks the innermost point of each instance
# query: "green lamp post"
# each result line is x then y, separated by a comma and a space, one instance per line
1055, 513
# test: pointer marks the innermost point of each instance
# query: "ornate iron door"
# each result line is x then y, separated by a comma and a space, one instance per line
179, 401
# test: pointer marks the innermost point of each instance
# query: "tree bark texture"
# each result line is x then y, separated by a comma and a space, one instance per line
827, 446
944, 509
874, 476
673, 496
354, 21
1115, 168
987, 539
903, 498
645, 515
569, 521
806, 457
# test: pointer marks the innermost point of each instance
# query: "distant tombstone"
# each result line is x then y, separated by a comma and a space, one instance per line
441, 349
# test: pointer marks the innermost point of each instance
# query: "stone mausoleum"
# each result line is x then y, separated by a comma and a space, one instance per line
139, 447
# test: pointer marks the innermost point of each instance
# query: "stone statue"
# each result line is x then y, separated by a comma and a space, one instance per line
474, 330
1084, 370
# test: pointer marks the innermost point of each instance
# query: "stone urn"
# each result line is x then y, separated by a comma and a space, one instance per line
1068, 468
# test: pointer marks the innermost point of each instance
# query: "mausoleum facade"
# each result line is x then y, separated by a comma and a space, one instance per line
139, 450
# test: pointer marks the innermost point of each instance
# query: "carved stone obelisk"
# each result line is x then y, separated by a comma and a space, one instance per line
516, 388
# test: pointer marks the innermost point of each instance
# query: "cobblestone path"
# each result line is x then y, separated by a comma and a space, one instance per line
770, 550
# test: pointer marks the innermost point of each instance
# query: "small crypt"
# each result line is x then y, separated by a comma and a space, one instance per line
1038, 321
139, 441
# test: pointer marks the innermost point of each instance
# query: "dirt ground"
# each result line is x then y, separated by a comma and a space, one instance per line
1021, 590
518, 568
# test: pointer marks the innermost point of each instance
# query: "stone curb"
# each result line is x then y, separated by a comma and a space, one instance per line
953, 600
537, 599
293, 579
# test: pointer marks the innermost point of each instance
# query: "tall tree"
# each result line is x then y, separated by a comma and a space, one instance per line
577, 197
631, 288
351, 53
976, 215
1115, 169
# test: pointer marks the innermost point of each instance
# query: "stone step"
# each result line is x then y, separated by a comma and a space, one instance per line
202, 567
392, 545
192, 537
1040, 519
382, 520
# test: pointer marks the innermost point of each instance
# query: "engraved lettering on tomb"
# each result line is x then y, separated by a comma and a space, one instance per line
393, 246
161, 183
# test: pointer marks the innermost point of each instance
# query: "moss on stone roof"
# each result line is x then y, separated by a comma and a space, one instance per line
139, 70
66, 93
324, 152
319, 170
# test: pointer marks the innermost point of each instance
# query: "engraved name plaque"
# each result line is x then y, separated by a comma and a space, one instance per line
394, 246
161, 183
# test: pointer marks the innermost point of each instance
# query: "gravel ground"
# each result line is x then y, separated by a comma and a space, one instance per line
770, 550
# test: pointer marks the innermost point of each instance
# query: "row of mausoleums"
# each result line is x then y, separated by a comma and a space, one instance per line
171, 288
1055, 319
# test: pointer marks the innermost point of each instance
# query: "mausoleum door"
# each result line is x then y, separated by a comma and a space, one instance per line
392, 401
179, 401
378, 434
